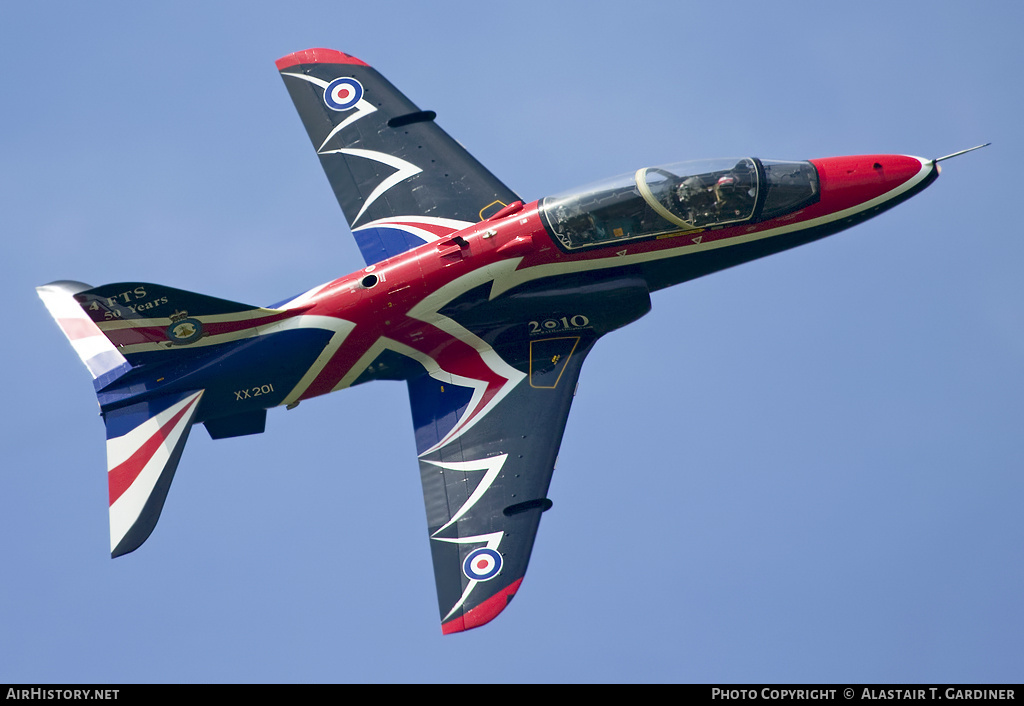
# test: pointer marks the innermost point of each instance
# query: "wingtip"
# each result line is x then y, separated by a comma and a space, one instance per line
483, 613
317, 56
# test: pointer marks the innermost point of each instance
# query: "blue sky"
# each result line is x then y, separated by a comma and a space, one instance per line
807, 468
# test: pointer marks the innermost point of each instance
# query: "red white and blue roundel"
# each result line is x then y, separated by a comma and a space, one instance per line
343, 93
482, 564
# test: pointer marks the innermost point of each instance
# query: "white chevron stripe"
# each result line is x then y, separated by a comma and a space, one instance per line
404, 171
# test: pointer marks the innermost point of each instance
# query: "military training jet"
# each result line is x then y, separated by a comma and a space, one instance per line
486, 306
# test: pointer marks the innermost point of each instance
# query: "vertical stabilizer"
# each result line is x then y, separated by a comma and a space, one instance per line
103, 360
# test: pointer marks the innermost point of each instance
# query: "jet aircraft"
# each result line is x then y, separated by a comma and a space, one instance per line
486, 306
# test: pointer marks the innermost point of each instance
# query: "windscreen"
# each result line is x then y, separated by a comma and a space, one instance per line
654, 201
675, 198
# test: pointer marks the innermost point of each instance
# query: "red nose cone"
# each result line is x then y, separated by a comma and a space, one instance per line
850, 181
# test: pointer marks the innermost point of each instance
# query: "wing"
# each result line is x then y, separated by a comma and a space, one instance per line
488, 428
485, 491
399, 178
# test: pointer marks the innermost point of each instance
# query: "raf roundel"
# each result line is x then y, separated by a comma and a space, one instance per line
482, 564
343, 93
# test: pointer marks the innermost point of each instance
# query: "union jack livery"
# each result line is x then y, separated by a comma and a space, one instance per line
484, 305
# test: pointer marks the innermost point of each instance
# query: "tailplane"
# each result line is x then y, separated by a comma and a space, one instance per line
144, 443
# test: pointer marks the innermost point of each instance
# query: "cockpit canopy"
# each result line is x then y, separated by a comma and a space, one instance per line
688, 196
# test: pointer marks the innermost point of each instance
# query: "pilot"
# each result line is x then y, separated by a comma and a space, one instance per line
733, 198
580, 227
692, 197
723, 187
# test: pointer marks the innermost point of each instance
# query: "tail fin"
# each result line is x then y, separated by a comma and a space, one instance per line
99, 354
118, 328
144, 443
134, 323
400, 179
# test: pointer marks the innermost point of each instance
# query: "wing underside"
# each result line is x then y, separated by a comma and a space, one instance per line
399, 178
486, 487
487, 448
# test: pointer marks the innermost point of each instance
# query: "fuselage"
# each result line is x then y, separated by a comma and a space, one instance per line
484, 306
408, 313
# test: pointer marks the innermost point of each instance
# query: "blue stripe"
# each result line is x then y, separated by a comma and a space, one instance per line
380, 243
266, 366
101, 381
121, 421
436, 409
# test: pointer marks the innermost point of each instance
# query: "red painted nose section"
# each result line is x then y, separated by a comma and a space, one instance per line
850, 181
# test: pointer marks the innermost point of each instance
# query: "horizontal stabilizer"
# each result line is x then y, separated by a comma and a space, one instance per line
144, 443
